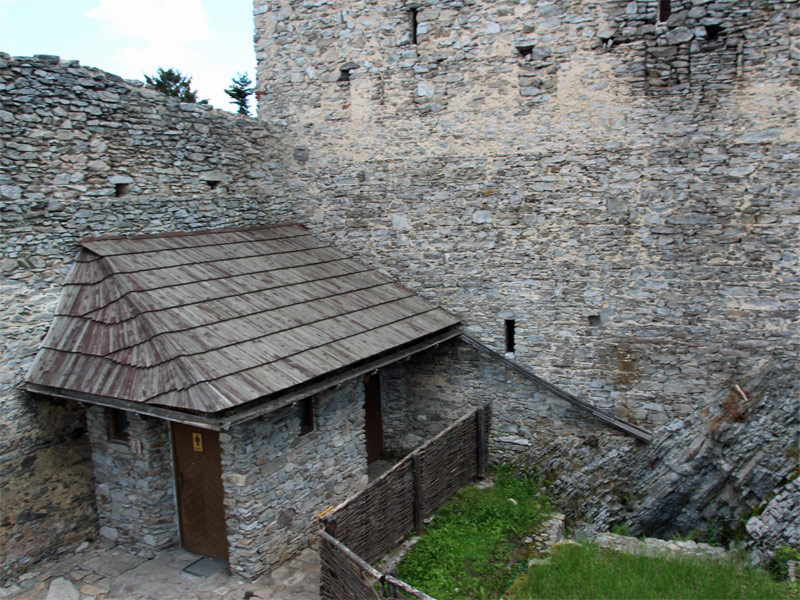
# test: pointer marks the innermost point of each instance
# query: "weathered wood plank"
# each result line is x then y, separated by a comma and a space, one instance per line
480, 417
418, 491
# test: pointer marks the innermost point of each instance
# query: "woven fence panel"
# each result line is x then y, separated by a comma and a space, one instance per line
376, 519
340, 577
449, 462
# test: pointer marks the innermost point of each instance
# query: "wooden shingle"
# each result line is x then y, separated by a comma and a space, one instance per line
213, 320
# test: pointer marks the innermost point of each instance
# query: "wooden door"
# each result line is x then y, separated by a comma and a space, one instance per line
198, 474
374, 418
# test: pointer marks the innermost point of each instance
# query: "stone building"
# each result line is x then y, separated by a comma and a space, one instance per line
225, 374
602, 192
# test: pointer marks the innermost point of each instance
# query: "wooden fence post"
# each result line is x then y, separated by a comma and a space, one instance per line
417, 473
480, 416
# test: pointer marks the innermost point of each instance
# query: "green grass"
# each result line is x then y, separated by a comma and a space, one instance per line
471, 548
585, 571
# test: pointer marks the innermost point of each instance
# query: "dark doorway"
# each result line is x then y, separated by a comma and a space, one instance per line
198, 474
374, 424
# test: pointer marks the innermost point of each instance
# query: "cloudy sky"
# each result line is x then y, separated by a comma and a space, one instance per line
210, 40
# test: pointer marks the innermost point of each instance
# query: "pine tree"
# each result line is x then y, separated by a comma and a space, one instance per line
240, 91
173, 83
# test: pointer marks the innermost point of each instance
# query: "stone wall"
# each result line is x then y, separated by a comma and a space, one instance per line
135, 491
46, 485
622, 189
427, 393
83, 152
277, 481
735, 455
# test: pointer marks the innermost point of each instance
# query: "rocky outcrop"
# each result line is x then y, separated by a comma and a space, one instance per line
734, 456
778, 524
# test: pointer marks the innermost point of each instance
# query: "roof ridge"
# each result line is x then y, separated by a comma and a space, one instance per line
92, 244
210, 261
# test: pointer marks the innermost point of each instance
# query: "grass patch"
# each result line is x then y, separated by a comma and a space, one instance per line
586, 571
471, 548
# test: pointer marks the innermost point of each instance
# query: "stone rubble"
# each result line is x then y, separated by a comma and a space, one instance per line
104, 571
658, 548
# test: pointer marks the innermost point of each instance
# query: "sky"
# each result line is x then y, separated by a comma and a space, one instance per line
209, 40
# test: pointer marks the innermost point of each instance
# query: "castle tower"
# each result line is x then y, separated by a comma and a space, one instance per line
616, 178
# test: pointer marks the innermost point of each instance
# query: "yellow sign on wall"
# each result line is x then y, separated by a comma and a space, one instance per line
197, 442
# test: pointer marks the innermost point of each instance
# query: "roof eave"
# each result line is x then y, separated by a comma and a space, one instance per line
159, 412
224, 420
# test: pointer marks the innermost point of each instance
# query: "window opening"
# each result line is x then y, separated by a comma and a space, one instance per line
118, 425
413, 12
120, 189
212, 184
594, 320
713, 31
525, 51
306, 415
344, 75
664, 10
510, 333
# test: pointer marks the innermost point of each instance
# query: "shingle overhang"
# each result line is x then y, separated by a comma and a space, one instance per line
211, 321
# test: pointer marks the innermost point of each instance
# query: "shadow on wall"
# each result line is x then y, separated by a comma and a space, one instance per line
48, 437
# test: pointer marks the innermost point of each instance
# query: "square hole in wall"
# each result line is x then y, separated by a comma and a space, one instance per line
713, 32
594, 320
525, 52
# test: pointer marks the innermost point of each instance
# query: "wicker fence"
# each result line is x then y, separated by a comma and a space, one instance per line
375, 520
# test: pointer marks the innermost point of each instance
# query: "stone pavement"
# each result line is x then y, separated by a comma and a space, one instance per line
105, 572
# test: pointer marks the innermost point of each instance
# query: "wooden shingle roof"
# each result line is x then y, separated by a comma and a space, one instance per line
209, 321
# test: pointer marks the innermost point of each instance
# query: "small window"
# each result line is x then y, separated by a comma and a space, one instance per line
713, 32
118, 425
212, 184
664, 10
306, 415
344, 75
510, 333
413, 12
525, 52
120, 189
594, 320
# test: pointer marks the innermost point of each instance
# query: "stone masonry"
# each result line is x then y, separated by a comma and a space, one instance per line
427, 393
86, 153
277, 481
134, 483
621, 188
624, 190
